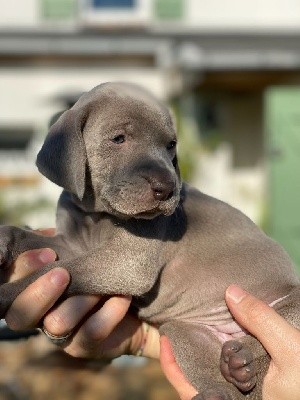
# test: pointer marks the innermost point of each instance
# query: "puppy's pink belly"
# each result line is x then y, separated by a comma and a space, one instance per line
223, 330
227, 332
220, 322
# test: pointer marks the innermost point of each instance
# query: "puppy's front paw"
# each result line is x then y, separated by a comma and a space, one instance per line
237, 365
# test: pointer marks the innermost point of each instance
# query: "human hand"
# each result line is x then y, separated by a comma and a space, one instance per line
102, 326
280, 339
172, 371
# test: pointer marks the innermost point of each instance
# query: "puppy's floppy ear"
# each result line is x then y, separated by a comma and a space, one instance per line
62, 158
54, 118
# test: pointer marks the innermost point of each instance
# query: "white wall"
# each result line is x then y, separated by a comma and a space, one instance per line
18, 13
243, 188
207, 15
28, 95
241, 15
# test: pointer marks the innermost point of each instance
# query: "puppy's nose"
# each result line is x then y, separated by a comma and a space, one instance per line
162, 190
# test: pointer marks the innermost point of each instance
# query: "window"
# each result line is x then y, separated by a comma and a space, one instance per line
115, 13
114, 3
15, 138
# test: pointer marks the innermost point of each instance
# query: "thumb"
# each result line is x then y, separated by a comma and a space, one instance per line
30, 261
276, 335
172, 371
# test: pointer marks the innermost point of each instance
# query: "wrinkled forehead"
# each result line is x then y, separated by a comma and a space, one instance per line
115, 105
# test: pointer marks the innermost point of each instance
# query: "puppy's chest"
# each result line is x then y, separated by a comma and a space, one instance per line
92, 232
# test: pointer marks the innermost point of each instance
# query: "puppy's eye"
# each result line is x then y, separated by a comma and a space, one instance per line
119, 139
171, 145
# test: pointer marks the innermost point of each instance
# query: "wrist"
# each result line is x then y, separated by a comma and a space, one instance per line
151, 342
145, 342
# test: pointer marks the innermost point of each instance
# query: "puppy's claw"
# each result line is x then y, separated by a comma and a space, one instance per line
237, 365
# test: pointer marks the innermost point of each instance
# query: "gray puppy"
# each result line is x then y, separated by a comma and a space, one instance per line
127, 225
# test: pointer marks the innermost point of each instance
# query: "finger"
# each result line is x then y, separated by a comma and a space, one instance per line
99, 326
30, 261
172, 371
103, 322
31, 305
67, 315
276, 335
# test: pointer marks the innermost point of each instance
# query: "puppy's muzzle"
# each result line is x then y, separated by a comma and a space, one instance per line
162, 190
161, 182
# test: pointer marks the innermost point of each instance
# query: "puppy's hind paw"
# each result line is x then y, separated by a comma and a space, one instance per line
237, 365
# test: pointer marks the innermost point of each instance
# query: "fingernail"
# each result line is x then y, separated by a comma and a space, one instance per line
59, 277
47, 255
235, 293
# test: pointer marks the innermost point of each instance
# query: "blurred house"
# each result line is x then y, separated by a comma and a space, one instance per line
230, 69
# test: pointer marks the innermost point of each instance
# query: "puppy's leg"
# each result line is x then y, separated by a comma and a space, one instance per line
245, 349
14, 241
102, 271
197, 352
237, 365
245, 360
289, 307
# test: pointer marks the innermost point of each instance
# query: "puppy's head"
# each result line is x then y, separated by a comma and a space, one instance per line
115, 149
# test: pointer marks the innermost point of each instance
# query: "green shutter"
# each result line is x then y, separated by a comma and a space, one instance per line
58, 10
282, 116
168, 9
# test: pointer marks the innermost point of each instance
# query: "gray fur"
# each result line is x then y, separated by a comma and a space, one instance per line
127, 225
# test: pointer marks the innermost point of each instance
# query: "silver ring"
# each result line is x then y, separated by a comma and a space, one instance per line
58, 340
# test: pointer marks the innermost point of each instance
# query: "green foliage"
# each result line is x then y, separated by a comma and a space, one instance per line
212, 140
189, 145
